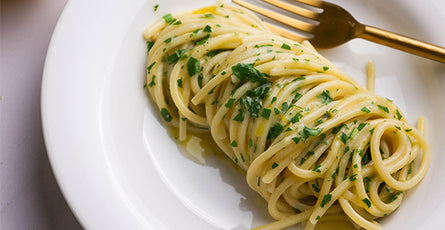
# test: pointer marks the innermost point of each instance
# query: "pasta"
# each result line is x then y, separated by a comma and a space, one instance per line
316, 145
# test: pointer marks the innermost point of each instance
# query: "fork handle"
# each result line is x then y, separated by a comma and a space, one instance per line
403, 43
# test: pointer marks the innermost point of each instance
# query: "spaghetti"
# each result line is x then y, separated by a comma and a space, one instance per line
315, 144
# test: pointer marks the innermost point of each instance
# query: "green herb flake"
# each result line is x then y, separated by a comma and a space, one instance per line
361, 126
296, 139
326, 199
239, 116
168, 18
276, 111
366, 110
306, 132
317, 169
200, 78
203, 40
325, 68
193, 66
150, 67
209, 15
274, 165
353, 133
168, 40
344, 137
316, 188
179, 81
246, 72
325, 97
384, 108
155, 7
178, 55
234, 144
149, 45
275, 131
166, 115
207, 29
296, 118
353, 177
266, 113
284, 107
285, 46
297, 97
399, 116
230, 103
367, 202
153, 82
273, 100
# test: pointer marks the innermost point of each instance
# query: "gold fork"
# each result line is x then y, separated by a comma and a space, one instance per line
337, 26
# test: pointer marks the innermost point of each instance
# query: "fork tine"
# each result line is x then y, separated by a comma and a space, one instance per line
294, 9
314, 3
304, 26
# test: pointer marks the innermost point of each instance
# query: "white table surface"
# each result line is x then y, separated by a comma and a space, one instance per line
29, 195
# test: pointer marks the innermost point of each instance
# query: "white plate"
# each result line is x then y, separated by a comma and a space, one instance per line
118, 168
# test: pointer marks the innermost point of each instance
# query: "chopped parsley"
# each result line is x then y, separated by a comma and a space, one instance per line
306, 132
234, 144
212, 53
179, 81
209, 15
316, 188
344, 137
166, 115
266, 113
203, 40
353, 177
399, 116
230, 103
274, 165
149, 45
367, 202
178, 55
168, 40
275, 130
366, 110
384, 108
246, 72
284, 107
296, 139
296, 118
285, 46
168, 18
297, 97
155, 7
193, 66
317, 168
326, 199
361, 126
239, 116
353, 133
152, 83
207, 29
150, 67
325, 97
200, 78
253, 99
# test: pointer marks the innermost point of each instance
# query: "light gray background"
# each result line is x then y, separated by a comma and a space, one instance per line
29, 195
